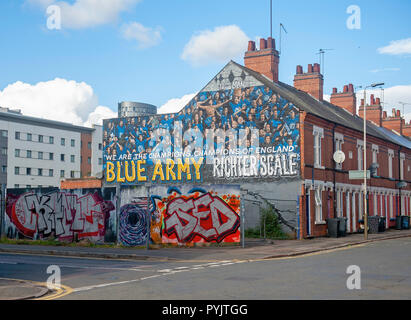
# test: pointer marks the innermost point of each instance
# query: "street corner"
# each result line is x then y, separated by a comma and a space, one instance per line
12, 289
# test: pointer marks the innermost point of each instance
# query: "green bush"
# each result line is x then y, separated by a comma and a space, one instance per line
272, 226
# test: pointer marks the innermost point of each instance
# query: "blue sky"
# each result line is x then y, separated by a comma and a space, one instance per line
118, 68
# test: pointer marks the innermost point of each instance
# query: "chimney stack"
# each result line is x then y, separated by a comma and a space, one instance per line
396, 123
311, 82
266, 60
374, 111
346, 99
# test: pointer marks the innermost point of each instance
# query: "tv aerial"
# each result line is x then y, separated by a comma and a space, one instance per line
322, 53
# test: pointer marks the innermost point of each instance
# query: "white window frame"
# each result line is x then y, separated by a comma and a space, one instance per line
402, 160
318, 202
339, 141
360, 154
375, 152
390, 161
318, 134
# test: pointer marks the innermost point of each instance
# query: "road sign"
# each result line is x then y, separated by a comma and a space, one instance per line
359, 175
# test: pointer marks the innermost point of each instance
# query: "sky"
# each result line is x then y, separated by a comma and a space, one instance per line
74, 60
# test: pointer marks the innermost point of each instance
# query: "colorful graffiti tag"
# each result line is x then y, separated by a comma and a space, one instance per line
66, 216
241, 133
196, 215
133, 223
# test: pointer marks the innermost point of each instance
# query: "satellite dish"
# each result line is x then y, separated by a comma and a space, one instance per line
339, 157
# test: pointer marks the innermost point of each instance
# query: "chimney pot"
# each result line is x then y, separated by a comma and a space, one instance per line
362, 102
335, 90
310, 68
299, 70
317, 68
270, 43
251, 45
345, 89
378, 101
384, 115
398, 113
263, 44
351, 87
372, 102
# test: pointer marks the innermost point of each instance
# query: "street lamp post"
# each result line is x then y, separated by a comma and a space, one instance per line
374, 85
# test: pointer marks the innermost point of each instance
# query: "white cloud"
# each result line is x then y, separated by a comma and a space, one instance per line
176, 104
221, 44
392, 97
59, 99
88, 13
397, 47
385, 69
146, 37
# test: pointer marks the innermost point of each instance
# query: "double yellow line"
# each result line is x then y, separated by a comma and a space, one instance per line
61, 292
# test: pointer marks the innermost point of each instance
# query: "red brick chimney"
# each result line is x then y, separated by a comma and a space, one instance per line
406, 131
346, 99
264, 61
396, 123
311, 82
374, 110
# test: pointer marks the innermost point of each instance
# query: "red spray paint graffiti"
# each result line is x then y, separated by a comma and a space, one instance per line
59, 214
200, 217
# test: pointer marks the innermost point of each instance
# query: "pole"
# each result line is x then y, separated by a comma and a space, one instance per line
3, 211
148, 219
242, 212
365, 167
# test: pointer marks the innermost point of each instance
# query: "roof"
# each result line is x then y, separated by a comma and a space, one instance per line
328, 111
13, 117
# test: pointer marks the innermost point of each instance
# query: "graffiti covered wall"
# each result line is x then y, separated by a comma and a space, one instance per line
233, 131
188, 214
65, 215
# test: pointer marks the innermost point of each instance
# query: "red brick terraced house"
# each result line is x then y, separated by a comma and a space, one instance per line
326, 190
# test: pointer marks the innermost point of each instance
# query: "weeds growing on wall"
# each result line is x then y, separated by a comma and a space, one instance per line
269, 227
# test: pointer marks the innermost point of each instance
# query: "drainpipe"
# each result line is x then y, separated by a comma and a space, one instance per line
335, 200
399, 179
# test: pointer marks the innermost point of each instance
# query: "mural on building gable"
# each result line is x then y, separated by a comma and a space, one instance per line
229, 131
187, 215
61, 214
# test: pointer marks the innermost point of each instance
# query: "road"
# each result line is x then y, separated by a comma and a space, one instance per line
385, 274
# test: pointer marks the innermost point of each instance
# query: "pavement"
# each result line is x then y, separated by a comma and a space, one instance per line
255, 249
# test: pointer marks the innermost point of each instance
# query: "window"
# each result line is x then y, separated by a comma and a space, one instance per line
17, 153
63, 141
339, 141
16, 171
360, 154
89, 160
89, 145
51, 156
17, 136
41, 138
28, 171
318, 136
402, 159
72, 174
51, 172
390, 158
29, 154
4, 151
17, 186
73, 142
29, 137
4, 133
40, 155
62, 157
318, 205
375, 151
61, 173
100, 146
72, 158
4, 169
51, 140
28, 186
100, 161
40, 172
